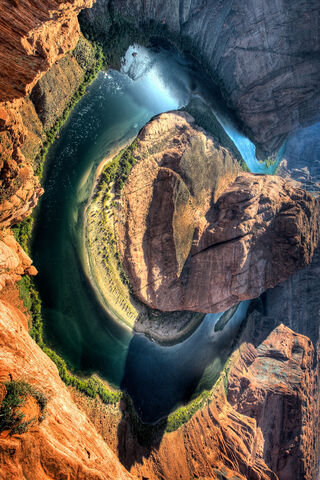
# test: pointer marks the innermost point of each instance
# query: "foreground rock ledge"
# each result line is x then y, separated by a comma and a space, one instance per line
197, 234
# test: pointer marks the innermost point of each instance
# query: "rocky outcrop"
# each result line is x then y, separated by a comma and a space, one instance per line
65, 444
33, 36
261, 424
301, 158
265, 58
19, 189
23, 127
195, 234
14, 262
56, 87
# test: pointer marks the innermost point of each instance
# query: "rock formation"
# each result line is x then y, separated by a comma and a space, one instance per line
261, 424
33, 36
64, 444
264, 57
195, 234
301, 159
257, 53
14, 262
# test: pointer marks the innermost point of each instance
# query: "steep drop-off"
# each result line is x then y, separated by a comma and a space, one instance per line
194, 235
261, 422
33, 36
263, 55
266, 60
64, 444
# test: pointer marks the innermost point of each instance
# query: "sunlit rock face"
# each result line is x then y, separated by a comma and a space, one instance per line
33, 36
255, 50
196, 234
262, 422
65, 444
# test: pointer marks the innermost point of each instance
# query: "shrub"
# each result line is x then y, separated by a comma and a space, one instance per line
10, 417
183, 414
22, 233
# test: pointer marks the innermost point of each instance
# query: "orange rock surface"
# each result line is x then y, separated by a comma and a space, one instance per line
265, 426
262, 422
65, 444
33, 35
14, 262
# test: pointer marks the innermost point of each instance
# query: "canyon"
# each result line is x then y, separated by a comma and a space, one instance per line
261, 421
255, 52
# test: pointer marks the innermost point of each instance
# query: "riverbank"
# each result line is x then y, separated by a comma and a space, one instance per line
92, 385
103, 263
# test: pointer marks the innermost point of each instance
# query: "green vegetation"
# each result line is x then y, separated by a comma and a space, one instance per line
271, 160
89, 76
146, 432
114, 35
225, 374
184, 414
90, 386
22, 233
116, 173
113, 178
11, 418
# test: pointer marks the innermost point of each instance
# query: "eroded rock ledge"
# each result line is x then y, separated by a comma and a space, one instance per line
196, 233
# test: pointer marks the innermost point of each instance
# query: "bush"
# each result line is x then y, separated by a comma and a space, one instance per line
22, 233
10, 417
183, 414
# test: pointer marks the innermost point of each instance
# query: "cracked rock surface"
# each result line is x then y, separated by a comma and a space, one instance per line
204, 245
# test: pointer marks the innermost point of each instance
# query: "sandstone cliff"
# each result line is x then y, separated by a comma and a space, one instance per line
230, 438
64, 444
263, 55
33, 36
196, 235
24, 124
262, 422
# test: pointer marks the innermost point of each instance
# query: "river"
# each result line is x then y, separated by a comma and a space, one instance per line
112, 112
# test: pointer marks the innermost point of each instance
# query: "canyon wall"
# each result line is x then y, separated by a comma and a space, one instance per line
34, 35
257, 53
264, 56
260, 423
64, 444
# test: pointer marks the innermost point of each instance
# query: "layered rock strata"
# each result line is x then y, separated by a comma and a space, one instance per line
196, 234
261, 423
33, 36
23, 127
264, 57
65, 444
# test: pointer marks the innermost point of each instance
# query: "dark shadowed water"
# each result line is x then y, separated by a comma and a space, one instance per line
112, 112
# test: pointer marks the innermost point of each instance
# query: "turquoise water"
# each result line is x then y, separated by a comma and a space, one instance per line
112, 112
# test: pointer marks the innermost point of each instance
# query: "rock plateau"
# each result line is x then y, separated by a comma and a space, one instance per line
196, 234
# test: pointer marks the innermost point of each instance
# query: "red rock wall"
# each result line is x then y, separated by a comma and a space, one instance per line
263, 423
33, 35
65, 444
